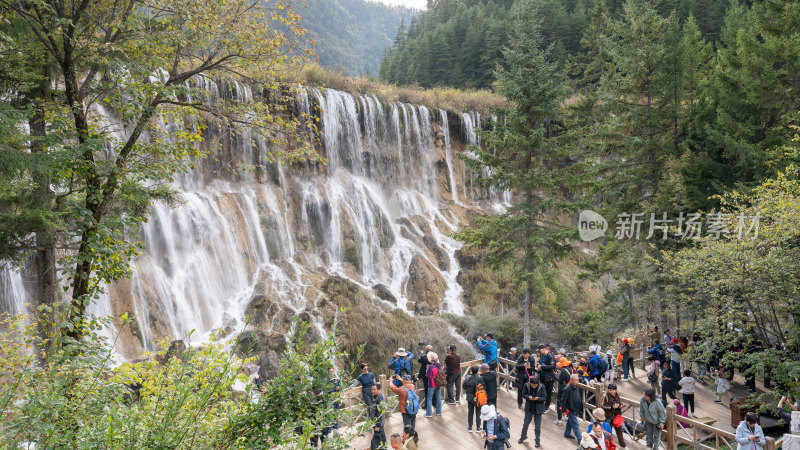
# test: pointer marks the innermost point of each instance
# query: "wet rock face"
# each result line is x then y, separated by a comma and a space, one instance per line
425, 286
383, 293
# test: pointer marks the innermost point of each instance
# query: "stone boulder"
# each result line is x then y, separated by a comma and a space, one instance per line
425, 286
384, 293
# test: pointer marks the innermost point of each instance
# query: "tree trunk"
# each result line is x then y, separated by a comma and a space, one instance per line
44, 258
526, 322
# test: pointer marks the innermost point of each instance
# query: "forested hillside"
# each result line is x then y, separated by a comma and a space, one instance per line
351, 34
459, 42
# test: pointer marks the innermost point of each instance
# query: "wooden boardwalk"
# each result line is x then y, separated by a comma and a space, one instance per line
449, 431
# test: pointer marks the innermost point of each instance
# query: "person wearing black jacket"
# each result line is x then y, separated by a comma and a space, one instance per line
564, 373
535, 395
423, 371
490, 384
572, 405
526, 364
547, 367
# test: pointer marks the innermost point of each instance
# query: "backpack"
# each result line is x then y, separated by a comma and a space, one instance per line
480, 396
412, 402
652, 377
602, 366
441, 378
405, 368
503, 422
592, 368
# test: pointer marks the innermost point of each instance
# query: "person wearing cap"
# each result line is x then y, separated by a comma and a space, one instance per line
612, 407
407, 386
401, 364
452, 363
564, 373
489, 348
547, 372
489, 377
495, 428
526, 365
654, 417
625, 349
599, 416
535, 396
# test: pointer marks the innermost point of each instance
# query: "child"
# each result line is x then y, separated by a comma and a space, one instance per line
724, 377
687, 389
610, 360
680, 411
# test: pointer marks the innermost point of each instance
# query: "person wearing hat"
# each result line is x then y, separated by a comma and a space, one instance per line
489, 377
681, 412
612, 407
526, 366
401, 364
610, 372
599, 416
535, 396
495, 428
547, 373
435, 391
564, 373
403, 392
489, 348
625, 349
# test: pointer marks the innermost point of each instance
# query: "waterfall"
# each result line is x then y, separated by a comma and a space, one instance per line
366, 216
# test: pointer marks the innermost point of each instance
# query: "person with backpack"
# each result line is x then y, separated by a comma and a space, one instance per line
657, 351
489, 383
495, 428
452, 363
564, 374
572, 405
489, 348
401, 364
601, 437
526, 365
407, 399
653, 371
535, 396
547, 373
596, 367
471, 385
436, 380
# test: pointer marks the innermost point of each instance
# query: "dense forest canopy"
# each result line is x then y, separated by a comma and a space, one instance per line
459, 42
351, 34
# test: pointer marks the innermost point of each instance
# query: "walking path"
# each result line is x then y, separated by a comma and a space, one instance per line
449, 431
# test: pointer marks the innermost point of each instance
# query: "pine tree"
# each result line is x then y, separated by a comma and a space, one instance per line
524, 149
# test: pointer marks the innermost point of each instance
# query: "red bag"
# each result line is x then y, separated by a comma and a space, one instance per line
618, 421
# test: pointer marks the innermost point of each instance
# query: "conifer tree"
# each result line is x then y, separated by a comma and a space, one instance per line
521, 153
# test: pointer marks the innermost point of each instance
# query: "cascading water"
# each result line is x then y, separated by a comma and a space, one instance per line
374, 213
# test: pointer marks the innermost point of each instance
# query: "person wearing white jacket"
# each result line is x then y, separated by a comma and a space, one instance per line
749, 434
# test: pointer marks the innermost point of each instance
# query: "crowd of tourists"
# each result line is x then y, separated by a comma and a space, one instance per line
548, 382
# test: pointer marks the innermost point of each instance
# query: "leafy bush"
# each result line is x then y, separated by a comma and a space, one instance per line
60, 392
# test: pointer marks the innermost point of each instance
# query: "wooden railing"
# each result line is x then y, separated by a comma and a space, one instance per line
696, 436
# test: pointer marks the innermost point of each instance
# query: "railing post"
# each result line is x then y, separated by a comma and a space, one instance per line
643, 363
671, 428
770, 444
598, 395
384, 387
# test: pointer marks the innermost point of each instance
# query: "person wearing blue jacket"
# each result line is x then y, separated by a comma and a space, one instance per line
657, 351
401, 364
749, 434
489, 348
